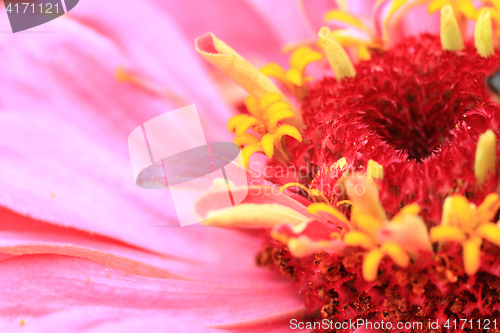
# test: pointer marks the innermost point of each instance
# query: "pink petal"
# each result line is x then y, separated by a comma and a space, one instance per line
51, 283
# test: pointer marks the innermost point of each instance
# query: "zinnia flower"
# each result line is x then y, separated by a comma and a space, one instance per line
399, 151
395, 152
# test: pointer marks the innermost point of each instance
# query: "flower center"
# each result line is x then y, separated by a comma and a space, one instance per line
411, 95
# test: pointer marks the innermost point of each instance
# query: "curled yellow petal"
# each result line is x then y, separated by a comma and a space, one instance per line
274, 117
485, 156
248, 151
302, 57
483, 36
274, 70
246, 139
269, 99
371, 264
489, 207
472, 255
363, 53
336, 55
396, 253
411, 209
235, 120
451, 39
289, 130
268, 145
367, 223
447, 234
356, 238
234, 65
316, 208
342, 16
252, 106
364, 195
293, 75
490, 232
465, 215
245, 124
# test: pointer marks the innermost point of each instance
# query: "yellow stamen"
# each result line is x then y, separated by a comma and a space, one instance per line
371, 264
471, 255
490, 232
235, 120
303, 246
444, 233
356, 238
253, 216
451, 39
234, 65
485, 156
483, 36
374, 170
316, 208
396, 253
337, 57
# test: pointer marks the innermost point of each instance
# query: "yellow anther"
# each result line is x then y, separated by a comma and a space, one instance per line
483, 36
472, 255
485, 156
451, 39
274, 70
317, 208
336, 55
461, 7
396, 253
364, 196
374, 170
408, 210
445, 233
356, 238
268, 145
371, 264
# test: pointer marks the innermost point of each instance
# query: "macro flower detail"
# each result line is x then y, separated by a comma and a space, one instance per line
414, 125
